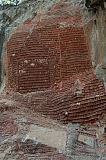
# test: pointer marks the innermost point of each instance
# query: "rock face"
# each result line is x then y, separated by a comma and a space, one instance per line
96, 34
53, 97
11, 18
46, 51
22, 140
52, 53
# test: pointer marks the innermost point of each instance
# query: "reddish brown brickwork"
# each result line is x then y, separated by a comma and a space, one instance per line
70, 43
79, 103
30, 64
40, 56
45, 56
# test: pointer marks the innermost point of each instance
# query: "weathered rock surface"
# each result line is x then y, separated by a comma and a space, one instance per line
67, 120
20, 139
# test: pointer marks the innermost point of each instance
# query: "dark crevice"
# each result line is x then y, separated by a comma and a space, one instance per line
95, 4
2, 38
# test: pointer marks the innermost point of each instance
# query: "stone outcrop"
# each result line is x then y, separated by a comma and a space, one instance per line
53, 97
52, 54
11, 18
